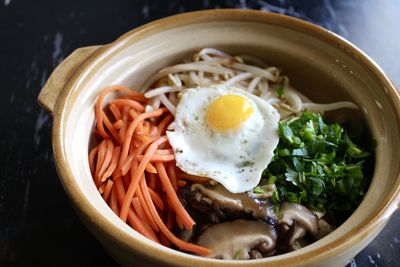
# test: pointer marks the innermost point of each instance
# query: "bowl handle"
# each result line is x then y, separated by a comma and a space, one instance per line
59, 77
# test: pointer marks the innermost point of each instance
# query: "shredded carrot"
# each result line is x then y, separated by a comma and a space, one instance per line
156, 199
129, 103
171, 194
150, 168
101, 189
109, 126
159, 158
145, 207
165, 151
100, 157
164, 240
170, 219
138, 226
133, 114
136, 178
124, 126
113, 202
152, 181
172, 175
181, 183
133, 150
133, 125
140, 212
164, 229
115, 111
92, 155
99, 108
107, 190
117, 125
107, 158
113, 164
164, 123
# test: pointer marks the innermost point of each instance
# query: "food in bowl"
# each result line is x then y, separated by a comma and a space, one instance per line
221, 157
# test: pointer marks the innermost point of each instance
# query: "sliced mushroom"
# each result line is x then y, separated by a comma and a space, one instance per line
239, 239
295, 221
220, 204
324, 229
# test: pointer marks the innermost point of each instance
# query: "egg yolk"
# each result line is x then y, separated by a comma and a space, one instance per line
228, 112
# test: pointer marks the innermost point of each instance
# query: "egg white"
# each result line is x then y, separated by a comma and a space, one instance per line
235, 159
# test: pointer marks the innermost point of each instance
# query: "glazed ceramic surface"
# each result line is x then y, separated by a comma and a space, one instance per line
320, 64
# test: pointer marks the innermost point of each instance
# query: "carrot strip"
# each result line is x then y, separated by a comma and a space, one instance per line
139, 128
92, 155
140, 212
180, 211
164, 229
135, 105
133, 125
99, 106
146, 127
144, 145
107, 190
146, 210
109, 126
132, 218
152, 180
138, 174
170, 219
141, 137
133, 114
168, 151
126, 165
172, 175
135, 95
113, 164
124, 127
100, 158
113, 202
179, 223
150, 168
115, 111
101, 189
164, 240
156, 199
181, 183
164, 123
117, 125
154, 131
107, 158
136, 224
159, 158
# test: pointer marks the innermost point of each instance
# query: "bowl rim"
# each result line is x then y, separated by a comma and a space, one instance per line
88, 211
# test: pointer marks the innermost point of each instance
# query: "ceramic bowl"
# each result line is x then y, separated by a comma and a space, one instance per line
319, 63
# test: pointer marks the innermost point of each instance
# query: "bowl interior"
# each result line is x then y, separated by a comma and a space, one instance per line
323, 71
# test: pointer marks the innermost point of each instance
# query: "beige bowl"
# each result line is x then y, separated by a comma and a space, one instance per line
320, 64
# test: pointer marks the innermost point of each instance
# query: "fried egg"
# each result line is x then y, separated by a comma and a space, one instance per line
224, 133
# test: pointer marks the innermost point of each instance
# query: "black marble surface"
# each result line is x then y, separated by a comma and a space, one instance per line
37, 225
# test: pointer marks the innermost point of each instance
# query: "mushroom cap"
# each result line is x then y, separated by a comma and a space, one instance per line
324, 228
295, 221
304, 218
225, 203
239, 239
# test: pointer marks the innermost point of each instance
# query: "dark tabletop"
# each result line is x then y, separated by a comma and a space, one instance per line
37, 225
